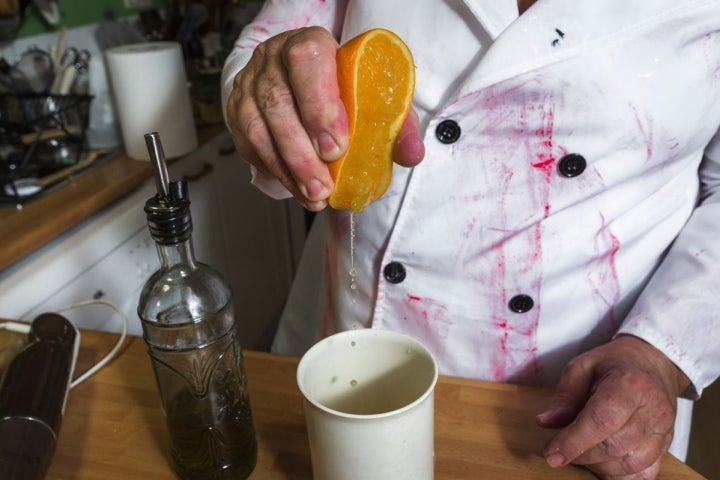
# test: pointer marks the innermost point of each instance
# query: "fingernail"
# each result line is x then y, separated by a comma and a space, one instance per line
327, 148
550, 411
316, 206
555, 460
316, 191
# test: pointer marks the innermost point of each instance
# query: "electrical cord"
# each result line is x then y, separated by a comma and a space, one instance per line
23, 327
112, 353
19, 327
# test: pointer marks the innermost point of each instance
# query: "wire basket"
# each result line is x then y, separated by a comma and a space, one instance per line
35, 113
39, 135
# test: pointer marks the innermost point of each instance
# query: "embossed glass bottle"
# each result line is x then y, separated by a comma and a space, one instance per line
189, 327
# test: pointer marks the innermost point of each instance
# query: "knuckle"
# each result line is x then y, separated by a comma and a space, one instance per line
635, 380
241, 79
234, 110
614, 448
306, 45
254, 129
297, 54
260, 52
574, 367
314, 112
603, 419
638, 466
302, 164
276, 99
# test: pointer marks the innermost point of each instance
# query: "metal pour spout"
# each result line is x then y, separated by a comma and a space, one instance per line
157, 157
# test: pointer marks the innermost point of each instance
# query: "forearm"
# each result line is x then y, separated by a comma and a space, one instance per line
677, 312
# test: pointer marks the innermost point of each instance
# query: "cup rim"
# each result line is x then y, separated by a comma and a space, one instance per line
364, 332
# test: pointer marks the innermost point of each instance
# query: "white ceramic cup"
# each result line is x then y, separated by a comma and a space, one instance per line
369, 406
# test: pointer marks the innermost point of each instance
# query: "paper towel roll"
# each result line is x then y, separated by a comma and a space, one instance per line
151, 95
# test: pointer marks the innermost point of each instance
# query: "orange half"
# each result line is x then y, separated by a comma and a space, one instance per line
376, 76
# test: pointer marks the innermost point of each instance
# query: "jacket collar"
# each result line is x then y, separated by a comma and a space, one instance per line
551, 30
494, 15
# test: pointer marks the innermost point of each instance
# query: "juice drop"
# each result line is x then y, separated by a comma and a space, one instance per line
353, 270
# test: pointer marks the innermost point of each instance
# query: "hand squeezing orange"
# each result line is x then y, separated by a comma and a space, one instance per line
376, 76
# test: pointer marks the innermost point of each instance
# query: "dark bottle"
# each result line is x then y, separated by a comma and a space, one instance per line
188, 324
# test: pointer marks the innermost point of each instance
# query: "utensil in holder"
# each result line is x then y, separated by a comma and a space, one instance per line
40, 134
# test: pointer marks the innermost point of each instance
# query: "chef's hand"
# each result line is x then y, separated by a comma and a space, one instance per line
287, 119
616, 405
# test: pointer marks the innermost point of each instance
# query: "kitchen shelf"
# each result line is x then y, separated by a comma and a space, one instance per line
27, 228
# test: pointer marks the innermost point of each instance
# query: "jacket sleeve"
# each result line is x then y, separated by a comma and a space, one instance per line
679, 310
277, 16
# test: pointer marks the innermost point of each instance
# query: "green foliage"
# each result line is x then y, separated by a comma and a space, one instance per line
75, 13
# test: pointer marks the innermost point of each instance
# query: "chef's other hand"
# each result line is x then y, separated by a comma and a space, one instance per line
616, 405
287, 119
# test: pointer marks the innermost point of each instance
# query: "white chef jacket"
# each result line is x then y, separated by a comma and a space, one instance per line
564, 196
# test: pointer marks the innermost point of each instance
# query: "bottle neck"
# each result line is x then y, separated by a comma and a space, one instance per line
176, 254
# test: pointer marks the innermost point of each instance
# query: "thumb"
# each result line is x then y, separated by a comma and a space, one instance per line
409, 148
571, 394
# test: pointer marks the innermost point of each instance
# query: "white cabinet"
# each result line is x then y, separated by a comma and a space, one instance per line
254, 242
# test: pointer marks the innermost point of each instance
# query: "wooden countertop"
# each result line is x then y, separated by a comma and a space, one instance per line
114, 427
40, 220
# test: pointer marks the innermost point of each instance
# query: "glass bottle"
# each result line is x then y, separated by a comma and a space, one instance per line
189, 326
